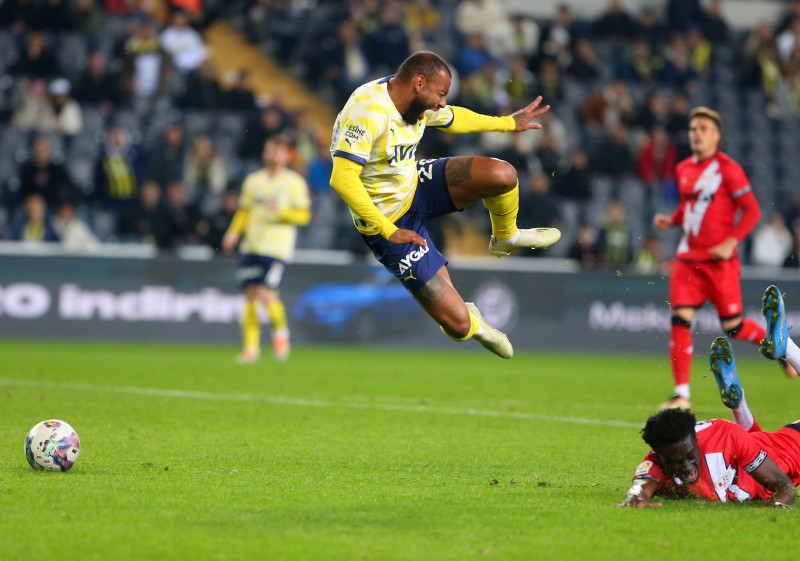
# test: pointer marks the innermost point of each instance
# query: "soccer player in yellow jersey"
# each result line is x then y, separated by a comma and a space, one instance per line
274, 201
391, 195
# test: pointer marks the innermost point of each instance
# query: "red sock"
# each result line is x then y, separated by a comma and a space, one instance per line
755, 427
680, 353
750, 331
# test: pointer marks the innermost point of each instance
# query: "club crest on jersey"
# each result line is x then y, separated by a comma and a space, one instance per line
644, 467
724, 482
412, 257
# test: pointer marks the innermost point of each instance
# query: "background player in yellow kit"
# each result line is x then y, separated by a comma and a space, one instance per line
391, 195
274, 201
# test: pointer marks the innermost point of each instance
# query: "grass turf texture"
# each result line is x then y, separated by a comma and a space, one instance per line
360, 454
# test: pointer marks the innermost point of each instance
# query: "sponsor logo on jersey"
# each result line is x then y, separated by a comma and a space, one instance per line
412, 257
724, 482
402, 153
644, 467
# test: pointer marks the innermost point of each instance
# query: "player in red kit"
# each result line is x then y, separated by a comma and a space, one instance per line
719, 460
713, 189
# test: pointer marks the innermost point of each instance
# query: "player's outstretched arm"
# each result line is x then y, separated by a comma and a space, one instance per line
523, 117
639, 495
771, 477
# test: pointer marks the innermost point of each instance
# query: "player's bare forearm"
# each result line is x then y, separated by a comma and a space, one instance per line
523, 117
772, 477
640, 493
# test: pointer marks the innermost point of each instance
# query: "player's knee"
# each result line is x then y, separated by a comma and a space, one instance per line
504, 175
732, 331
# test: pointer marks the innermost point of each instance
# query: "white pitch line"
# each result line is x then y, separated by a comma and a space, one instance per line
280, 400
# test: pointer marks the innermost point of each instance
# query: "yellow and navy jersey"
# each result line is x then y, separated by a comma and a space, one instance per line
266, 197
370, 131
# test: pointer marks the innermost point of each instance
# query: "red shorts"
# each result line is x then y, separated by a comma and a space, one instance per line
691, 284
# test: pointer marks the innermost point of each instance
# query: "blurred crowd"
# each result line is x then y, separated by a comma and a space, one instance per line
117, 127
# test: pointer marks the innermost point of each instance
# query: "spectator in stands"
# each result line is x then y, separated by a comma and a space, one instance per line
519, 38
239, 96
55, 15
585, 65
87, 17
388, 45
422, 19
649, 28
655, 111
202, 89
345, 61
613, 156
212, 227
650, 259
204, 174
614, 240
547, 156
537, 205
169, 155
480, 16
678, 126
549, 80
789, 39
37, 59
98, 85
657, 161
40, 175
615, 23
181, 217
144, 220
604, 109
34, 226
716, 28
772, 242
472, 55
682, 14
792, 11
677, 71
793, 260
74, 233
644, 66
757, 39
699, 50
19, 15
117, 171
145, 61
183, 44
557, 37
574, 190
66, 111
584, 250
34, 111
271, 120
521, 84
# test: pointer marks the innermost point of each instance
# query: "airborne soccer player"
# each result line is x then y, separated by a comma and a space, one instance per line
717, 459
274, 201
391, 195
713, 189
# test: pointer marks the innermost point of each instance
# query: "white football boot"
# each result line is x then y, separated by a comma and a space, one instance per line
534, 238
494, 340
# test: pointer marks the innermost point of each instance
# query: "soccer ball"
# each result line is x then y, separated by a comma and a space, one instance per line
52, 445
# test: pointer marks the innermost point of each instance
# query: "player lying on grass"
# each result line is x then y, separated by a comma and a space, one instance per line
717, 459
391, 195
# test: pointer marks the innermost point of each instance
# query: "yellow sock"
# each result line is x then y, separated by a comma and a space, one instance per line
277, 316
503, 211
251, 328
474, 326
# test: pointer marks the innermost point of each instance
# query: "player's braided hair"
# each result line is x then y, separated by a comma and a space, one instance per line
668, 427
426, 63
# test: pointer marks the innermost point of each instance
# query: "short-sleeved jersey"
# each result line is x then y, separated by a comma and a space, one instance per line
709, 200
370, 131
728, 455
265, 197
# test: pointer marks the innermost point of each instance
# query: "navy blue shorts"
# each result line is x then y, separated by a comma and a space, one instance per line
415, 265
257, 269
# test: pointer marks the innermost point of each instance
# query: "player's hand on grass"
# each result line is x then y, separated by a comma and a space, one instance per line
524, 116
662, 221
635, 501
229, 241
402, 236
724, 251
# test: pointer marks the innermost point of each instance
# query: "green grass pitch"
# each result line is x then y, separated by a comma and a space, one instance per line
343, 454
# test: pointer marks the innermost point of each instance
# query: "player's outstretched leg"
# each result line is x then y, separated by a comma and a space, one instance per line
773, 346
723, 365
776, 342
492, 339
